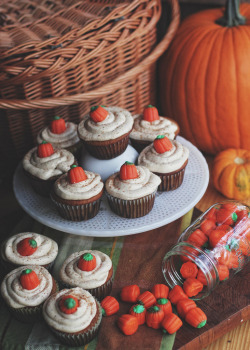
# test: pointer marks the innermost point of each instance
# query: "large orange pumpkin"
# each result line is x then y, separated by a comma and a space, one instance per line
204, 78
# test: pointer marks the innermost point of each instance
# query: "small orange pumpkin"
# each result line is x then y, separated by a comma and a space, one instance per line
128, 171
184, 305
76, 174
109, 305
98, 113
196, 317
189, 269
130, 293
197, 238
164, 304
29, 279
160, 291
150, 113
68, 304
223, 272
162, 144
139, 312
154, 316
87, 262
45, 149
171, 323
27, 246
192, 287
176, 294
231, 173
58, 125
147, 299
128, 324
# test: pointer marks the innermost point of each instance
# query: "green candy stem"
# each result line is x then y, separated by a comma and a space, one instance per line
103, 312
26, 272
128, 163
32, 243
202, 324
44, 142
149, 106
56, 117
162, 301
138, 309
154, 309
87, 257
69, 303
160, 137
73, 166
234, 217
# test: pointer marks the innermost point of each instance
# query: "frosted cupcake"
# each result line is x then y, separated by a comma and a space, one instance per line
27, 248
44, 164
89, 269
73, 315
148, 125
105, 131
167, 159
131, 192
61, 134
25, 289
77, 194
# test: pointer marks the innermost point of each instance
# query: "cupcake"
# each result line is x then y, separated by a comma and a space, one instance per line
61, 134
89, 269
28, 248
148, 125
25, 289
167, 159
73, 315
131, 192
44, 164
77, 194
105, 131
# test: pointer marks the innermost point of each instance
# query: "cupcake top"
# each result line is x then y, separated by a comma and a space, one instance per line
116, 123
166, 162
59, 133
26, 286
140, 184
86, 269
78, 184
46, 166
70, 310
149, 124
29, 248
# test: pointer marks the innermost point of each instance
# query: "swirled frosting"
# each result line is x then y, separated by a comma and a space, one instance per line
17, 297
82, 190
66, 139
147, 131
44, 168
118, 122
145, 184
72, 275
164, 162
45, 253
76, 321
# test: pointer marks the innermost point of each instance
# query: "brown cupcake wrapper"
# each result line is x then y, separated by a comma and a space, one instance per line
131, 209
80, 212
42, 187
107, 150
80, 338
75, 149
172, 181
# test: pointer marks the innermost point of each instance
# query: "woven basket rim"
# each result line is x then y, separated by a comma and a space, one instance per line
109, 87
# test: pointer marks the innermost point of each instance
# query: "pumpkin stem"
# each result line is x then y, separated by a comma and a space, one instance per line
232, 16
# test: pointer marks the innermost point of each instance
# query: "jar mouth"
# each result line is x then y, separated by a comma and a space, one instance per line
172, 262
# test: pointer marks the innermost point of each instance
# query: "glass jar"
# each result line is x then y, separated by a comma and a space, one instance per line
217, 242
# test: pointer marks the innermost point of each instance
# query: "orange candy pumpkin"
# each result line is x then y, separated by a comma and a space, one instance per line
164, 304
98, 113
87, 262
58, 125
147, 299
189, 269
29, 279
154, 316
128, 324
76, 174
128, 171
68, 304
150, 113
27, 246
45, 149
196, 317
139, 312
171, 323
160, 291
184, 305
176, 294
192, 287
162, 144
130, 293
109, 305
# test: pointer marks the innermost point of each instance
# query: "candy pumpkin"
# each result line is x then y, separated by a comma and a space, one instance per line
231, 173
204, 82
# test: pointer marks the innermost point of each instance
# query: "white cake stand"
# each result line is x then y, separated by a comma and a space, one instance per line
168, 206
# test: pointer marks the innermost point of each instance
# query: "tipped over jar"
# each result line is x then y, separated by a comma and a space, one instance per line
211, 250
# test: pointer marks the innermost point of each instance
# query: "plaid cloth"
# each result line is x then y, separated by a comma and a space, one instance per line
136, 260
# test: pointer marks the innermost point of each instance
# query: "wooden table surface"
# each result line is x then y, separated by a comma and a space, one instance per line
10, 213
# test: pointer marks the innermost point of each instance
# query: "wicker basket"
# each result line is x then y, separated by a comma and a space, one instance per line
132, 88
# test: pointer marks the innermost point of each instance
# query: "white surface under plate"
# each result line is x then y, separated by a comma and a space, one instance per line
168, 206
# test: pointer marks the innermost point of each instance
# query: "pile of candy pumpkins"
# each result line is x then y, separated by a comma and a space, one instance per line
205, 87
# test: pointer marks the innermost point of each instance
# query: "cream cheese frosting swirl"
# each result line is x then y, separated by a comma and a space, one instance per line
76, 321
73, 276
66, 139
82, 190
164, 162
44, 168
18, 297
147, 131
146, 183
118, 122
45, 253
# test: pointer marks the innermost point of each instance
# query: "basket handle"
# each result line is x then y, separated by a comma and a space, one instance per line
109, 87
